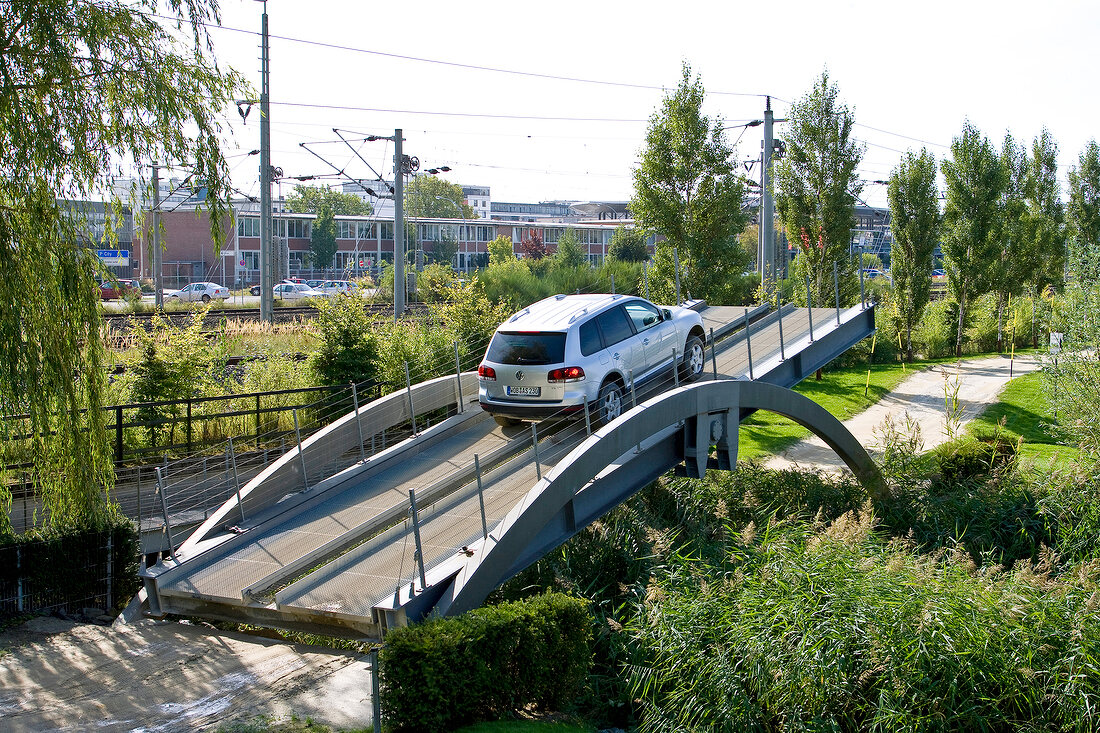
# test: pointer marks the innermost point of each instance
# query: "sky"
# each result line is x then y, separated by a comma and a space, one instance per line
550, 101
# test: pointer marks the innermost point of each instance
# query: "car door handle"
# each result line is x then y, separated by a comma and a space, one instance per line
645, 341
615, 355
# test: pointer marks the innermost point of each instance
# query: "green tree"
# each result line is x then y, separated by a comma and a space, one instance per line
431, 196
1046, 218
84, 86
322, 239
628, 245
816, 189
1012, 267
501, 250
312, 199
570, 254
915, 224
1083, 211
973, 219
686, 190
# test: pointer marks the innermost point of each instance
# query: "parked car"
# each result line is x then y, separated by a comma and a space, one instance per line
203, 291
315, 284
333, 287
124, 289
561, 353
254, 290
295, 291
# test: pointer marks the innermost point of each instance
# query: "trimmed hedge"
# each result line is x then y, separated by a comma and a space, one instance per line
69, 570
445, 673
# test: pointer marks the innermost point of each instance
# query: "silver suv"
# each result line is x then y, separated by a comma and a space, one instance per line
555, 356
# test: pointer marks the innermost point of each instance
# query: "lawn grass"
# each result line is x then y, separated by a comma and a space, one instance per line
1023, 415
840, 391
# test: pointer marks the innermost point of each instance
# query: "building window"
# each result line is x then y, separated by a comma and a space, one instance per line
345, 230
248, 226
365, 230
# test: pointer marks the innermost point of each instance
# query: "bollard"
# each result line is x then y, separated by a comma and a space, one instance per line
301, 456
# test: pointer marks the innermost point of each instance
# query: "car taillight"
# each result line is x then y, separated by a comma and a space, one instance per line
568, 374
486, 373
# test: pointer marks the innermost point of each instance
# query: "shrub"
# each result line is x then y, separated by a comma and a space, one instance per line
69, 569
971, 458
347, 351
934, 335
445, 673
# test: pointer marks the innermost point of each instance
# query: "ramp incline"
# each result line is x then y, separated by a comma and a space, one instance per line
333, 550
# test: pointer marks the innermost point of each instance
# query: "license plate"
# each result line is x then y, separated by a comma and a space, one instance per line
524, 391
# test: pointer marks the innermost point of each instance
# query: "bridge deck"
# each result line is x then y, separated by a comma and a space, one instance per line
336, 556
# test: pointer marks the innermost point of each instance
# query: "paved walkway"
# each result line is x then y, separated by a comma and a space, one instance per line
164, 676
923, 397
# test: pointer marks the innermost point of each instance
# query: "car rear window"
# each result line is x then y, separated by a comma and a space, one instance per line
544, 347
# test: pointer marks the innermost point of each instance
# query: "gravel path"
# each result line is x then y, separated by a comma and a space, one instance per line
923, 397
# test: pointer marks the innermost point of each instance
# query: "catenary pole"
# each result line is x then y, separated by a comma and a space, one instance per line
267, 250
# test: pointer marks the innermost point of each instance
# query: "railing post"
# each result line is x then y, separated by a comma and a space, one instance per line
748, 343
257, 420
301, 456
809, 309
376, 702
779, 309
676, 368
118, 433
458, 379
164, 509
416, 536
862, 294
676, 257
535, 447
188, 426
236, 480
713, 355
836, 285
358, 421
409, 391
481, 498
19, 574
633, 404
587, 418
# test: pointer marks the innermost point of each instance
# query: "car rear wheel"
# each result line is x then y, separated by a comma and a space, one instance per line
609, 403
695, 359
205, 298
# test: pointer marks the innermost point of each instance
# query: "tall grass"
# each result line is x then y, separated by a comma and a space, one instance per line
832, 626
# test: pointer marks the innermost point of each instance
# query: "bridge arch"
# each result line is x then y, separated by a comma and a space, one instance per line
677, 427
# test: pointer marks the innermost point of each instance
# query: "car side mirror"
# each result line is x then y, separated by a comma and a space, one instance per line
667, 314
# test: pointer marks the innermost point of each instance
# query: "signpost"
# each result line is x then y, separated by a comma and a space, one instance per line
114, 257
